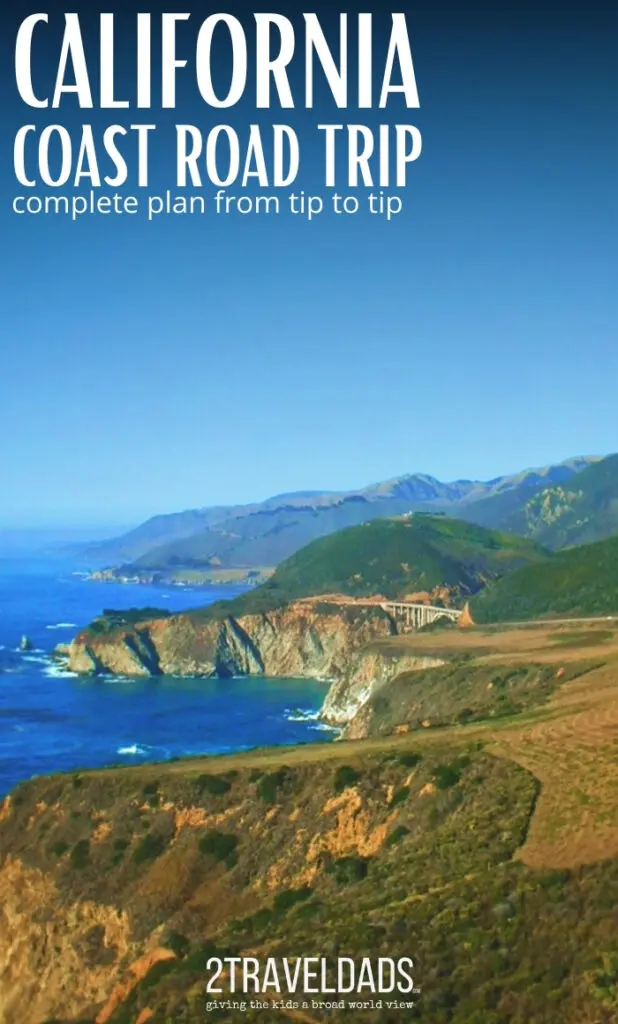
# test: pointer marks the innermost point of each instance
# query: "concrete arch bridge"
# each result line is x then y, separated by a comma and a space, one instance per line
414, 616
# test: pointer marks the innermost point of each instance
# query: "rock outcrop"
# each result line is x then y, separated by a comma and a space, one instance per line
368, 672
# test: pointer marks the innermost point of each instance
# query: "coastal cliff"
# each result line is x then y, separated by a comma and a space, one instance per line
300, 640
303, 640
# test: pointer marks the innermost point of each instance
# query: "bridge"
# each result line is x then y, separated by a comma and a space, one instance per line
415, 616
409, 614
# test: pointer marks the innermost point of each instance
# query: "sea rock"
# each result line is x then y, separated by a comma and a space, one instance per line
25, 644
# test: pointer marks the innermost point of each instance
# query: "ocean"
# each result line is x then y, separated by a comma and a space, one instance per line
52, 720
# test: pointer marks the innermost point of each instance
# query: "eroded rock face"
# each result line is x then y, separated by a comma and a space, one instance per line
53, 950
368, 671
297, 641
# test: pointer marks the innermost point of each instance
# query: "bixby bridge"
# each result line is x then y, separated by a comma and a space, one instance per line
406, 613
415, 616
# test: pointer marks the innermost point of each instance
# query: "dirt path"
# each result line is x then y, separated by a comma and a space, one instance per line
575, 757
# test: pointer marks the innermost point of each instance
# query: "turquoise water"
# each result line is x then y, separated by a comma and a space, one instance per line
51, 720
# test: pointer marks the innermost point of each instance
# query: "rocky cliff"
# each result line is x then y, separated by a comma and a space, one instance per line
302, 640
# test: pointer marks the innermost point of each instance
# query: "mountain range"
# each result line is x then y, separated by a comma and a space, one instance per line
561, 505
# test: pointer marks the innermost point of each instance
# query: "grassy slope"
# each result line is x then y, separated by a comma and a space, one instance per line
580, 581
393, 557
494, 942
502, 890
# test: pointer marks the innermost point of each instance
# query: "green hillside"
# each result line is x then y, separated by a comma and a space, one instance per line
580, 581
394, 557
578, 510
267, 532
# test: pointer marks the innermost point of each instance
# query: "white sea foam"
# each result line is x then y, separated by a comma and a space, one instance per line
58, 671
301, 715
38, 658
134, 749
62, 625
325, 727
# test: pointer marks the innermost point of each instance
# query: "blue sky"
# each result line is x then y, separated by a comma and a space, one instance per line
151, 367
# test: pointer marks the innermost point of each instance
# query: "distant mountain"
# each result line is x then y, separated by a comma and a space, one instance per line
265, 533
418, 554
575, 509
579, 581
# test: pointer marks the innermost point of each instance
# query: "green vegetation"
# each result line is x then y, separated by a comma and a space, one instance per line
345, 776
348, 870
410, 760
111, 619
397, 835
80, 854
392, 557
149, 847
268, 786
499, 943
202, 542
448, 775
59, 848
461, 692
216, 785
288, 898
399, 796
580, 581
579, 509
220, 846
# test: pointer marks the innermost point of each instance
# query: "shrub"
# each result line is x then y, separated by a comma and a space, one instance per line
347, 870
196, 960
148, 848
219, 845
269, 785
287, 899
345, 776
59, 848
158, 971
410, 760
447, 775
261, 919
397, 834
179, 944
399, 796
80, 854
214, 784
308, 910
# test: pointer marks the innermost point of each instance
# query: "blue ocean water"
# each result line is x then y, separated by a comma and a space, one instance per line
51, 720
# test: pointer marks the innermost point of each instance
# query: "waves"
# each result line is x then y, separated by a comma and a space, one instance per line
309, 715
301, 714
133, 750
62, 625
56, 670
145, 751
